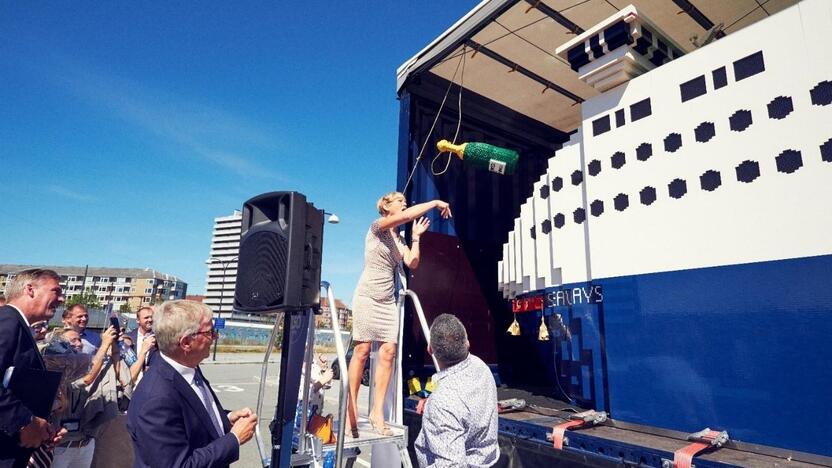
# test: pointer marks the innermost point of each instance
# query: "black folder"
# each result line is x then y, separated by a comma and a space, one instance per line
35, 388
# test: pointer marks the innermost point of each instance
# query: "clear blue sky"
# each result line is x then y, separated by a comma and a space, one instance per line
126, 127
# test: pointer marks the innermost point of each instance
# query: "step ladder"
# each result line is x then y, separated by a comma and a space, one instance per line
309, 451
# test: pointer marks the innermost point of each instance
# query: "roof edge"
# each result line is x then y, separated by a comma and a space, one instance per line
469, 24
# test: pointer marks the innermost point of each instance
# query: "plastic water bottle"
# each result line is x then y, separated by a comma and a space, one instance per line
127, 354
329, 459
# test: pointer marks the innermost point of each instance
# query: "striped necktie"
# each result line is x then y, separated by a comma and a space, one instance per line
41, 458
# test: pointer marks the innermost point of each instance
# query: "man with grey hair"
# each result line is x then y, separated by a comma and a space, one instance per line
32, 295
459, 424
174, 418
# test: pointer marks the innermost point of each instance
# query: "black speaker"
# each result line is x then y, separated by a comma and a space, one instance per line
279, 264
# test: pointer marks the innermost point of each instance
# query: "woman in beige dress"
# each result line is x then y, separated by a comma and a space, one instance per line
375, 317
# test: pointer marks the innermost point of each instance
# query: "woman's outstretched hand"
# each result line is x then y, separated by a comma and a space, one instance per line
444, 209
420, 226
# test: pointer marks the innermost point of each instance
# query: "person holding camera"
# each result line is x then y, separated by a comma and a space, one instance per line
91, 400
143, 342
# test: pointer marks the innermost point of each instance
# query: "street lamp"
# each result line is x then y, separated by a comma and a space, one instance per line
333, 218
224, 264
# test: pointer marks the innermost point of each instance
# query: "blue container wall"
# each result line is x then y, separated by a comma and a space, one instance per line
741, 348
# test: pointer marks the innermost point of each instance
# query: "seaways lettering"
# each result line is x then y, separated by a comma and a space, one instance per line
575, 296
592, 294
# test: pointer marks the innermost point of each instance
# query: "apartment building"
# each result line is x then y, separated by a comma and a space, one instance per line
325, 319
222, 264
118, 286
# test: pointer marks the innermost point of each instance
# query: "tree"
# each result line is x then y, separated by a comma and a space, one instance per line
125, 308
87, 298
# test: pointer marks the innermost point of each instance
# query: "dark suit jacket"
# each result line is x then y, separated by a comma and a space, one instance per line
170, 427
18, 349
134, 335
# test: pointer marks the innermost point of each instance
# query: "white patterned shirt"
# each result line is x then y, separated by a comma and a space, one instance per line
459, 425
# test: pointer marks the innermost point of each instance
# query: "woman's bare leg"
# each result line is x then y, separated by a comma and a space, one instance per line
360, 353
384, 368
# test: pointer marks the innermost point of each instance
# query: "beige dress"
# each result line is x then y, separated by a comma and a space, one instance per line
375, 317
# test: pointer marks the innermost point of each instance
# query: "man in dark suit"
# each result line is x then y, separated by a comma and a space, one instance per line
32, 296
143, 341
175, 419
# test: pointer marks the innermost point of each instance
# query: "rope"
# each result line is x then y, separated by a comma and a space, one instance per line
458, 124
436, 119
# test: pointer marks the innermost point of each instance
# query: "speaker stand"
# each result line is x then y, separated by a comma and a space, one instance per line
295, 330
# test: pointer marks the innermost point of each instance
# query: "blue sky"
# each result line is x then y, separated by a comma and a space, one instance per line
126, 127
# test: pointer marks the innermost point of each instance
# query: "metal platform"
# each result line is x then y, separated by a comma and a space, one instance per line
367, 437
614, 443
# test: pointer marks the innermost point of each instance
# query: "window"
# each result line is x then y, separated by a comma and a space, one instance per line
640, 110
148, 291
619, 118
601, 125
749, 66
146, 300
720, 78
693, 88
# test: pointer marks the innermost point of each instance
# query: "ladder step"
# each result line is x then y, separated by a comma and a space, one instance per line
368, 437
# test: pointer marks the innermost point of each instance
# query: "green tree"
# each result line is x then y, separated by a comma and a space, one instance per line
125, 308
87, 298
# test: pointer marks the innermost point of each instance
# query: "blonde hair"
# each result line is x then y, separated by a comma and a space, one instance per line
385, 200
33, 276
175, 319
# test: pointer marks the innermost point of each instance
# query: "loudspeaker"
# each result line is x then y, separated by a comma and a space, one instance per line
279, 265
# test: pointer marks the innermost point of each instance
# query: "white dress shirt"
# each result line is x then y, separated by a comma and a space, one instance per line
188, 373
139, 341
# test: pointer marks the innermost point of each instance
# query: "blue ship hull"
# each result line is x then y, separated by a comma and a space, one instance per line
740, 347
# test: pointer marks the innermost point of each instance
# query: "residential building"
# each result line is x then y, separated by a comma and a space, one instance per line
222, 264
325, 319
118, 286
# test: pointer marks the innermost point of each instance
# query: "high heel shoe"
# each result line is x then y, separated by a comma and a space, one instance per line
381, 430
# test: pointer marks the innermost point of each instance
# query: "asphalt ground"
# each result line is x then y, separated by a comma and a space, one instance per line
236, 379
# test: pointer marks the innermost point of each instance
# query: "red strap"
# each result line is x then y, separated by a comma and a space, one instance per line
559, 431
683, 458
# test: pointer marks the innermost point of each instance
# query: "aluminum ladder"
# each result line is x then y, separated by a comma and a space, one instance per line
310, 450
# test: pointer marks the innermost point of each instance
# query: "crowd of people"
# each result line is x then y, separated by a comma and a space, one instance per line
173, 417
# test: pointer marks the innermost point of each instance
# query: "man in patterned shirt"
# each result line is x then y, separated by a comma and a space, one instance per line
459, 424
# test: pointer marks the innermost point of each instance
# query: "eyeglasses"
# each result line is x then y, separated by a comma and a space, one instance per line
213, 334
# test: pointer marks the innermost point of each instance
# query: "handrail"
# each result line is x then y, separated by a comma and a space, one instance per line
265, 458
344, 372
421, 315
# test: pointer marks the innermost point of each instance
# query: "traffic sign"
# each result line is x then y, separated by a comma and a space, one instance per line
219, 323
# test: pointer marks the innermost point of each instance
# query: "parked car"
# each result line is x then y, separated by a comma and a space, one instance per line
365, 376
